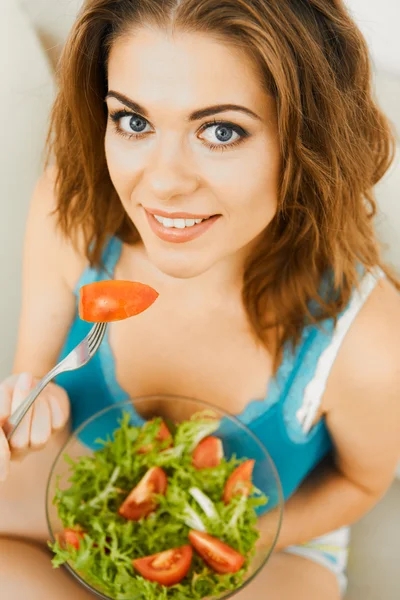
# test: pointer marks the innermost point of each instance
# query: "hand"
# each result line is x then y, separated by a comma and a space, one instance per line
50, 412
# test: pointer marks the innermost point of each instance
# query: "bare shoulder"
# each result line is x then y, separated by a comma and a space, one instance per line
43, 221
370, 352
362, 398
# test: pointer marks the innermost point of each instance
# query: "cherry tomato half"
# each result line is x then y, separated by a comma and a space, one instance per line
239, 482
208, 453
72, 537
168, 567
218, 555
163, 435
140, 501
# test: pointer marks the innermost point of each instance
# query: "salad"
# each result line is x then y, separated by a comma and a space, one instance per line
158, 512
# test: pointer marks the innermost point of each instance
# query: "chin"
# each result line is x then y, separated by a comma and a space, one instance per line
178, 267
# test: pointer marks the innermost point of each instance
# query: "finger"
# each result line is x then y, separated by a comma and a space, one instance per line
20, 439
4, 456
6, 393
5, 403
59, 407
41, 423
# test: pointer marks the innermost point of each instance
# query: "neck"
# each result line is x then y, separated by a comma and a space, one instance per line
218, 287
225, 275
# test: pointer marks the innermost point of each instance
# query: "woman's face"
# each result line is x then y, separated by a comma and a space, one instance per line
192, 148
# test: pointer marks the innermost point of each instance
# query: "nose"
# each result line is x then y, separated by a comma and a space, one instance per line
170, 173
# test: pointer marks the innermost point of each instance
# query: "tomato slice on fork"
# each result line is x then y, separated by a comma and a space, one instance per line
114, 300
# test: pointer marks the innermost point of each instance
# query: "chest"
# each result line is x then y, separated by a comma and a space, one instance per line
206, 353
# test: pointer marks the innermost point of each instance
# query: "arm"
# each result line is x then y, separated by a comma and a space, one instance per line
362, 404
50, 268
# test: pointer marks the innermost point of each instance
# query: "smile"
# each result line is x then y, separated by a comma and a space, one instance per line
179, 227
178, 223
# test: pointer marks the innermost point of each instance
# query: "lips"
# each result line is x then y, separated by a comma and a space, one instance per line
179, 227
177, 215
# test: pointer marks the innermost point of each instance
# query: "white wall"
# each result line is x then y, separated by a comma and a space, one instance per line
52, 20
379, 21
27, 91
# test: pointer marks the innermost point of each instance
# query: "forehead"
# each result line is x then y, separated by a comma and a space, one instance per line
185, 69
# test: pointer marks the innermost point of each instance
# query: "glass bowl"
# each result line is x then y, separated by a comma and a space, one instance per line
237, 440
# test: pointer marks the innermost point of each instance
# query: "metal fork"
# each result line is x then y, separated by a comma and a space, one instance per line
78, 357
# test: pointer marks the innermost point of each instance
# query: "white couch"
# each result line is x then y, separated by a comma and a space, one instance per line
33, 32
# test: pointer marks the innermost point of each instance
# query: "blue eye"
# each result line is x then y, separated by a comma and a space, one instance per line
129, 124
136, 123
222, 133
217, 135
132, 124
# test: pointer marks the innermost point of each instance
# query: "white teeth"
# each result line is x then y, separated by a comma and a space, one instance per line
177, 223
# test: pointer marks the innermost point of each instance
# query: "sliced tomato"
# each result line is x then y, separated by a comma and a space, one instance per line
239, 482
218, 555
163, 435
140, 501
208, 453
168, 567
114, 300
72, 537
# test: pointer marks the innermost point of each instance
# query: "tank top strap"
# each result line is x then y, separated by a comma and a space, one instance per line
316, 386
314, 361
110, 256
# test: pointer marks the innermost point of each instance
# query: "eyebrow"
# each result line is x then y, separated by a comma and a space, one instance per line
195, 116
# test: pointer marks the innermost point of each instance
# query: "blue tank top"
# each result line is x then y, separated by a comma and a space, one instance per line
275, 420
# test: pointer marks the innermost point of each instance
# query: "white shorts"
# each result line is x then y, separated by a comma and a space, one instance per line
329, 550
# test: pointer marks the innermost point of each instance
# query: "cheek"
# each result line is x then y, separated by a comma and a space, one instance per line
123, 165
249, 186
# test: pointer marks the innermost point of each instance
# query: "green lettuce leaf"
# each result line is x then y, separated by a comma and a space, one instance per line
98, 486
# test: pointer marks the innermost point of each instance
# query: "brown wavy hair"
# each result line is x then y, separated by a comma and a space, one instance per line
334, 141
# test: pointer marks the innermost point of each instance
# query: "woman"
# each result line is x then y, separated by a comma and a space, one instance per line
225, 153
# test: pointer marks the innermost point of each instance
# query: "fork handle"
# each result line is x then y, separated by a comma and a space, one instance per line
19, 413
